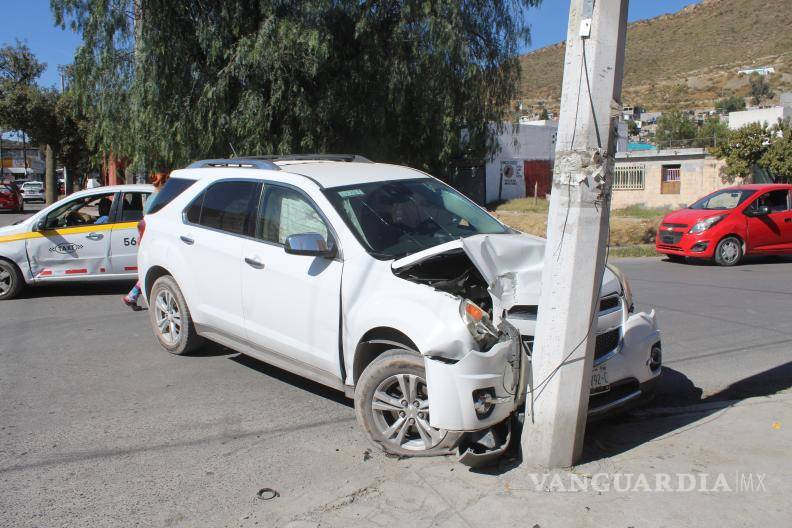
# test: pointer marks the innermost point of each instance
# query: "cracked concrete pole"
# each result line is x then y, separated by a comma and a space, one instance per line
577, 234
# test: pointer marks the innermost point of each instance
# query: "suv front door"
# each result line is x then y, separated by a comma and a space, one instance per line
291, 302
770, 232
74, 239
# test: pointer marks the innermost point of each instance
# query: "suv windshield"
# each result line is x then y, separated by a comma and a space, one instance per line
723, 200
395, 218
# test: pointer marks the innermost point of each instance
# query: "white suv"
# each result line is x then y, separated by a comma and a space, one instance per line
378, 280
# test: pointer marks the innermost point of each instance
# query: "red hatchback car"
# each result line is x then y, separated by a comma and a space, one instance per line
10, 198
729, 224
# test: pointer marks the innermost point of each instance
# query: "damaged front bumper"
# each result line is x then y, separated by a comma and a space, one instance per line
479, 390
484, 388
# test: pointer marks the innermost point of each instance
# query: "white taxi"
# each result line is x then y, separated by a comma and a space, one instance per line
88, 236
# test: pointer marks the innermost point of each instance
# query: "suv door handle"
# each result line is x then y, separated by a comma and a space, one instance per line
254, 263
95, 236
187, 240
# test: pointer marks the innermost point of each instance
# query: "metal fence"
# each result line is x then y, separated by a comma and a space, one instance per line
629, 178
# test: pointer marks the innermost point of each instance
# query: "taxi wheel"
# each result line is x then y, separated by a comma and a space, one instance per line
729, 251
11, 280
170, 318
392, 407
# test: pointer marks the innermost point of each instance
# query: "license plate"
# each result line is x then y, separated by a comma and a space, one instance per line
599, 380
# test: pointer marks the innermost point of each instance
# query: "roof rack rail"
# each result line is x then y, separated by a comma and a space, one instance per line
312, 157
244, 163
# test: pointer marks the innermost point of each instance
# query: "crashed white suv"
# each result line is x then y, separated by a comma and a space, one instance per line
374, 279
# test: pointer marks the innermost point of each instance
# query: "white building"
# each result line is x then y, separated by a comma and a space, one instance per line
524, 161
768, 116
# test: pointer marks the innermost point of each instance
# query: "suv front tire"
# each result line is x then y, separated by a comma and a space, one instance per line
170, 318
392, 407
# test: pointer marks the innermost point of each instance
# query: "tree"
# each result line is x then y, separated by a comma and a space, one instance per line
397, 80
28, 108
732, 103
760, 89
712, 132
757, 145
632, 128
674, 128
778, 157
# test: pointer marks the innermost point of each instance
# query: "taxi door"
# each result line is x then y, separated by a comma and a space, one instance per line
125, 237
70, 244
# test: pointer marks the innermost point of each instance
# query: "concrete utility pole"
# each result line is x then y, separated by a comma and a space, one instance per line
577, 233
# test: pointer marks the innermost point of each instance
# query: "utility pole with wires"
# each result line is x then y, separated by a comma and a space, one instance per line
577, 234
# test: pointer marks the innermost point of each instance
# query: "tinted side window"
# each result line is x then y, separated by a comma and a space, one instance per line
132, 206
193, 212
287, 212
173, 188
230, 206
777, 201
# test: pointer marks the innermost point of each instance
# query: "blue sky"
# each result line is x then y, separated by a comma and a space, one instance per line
31, 22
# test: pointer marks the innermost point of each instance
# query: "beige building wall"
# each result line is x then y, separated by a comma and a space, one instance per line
699, 176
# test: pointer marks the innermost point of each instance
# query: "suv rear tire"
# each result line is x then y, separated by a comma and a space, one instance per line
392, 407
11, 280
170, 318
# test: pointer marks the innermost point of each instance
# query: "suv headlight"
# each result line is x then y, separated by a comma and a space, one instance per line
625, 286
477, 322
703, 225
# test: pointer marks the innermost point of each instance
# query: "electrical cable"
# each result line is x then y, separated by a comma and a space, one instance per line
595, 312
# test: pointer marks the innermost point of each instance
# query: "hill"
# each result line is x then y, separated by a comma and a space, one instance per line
687, 59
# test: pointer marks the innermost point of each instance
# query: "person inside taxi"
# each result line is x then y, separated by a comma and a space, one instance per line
104, 211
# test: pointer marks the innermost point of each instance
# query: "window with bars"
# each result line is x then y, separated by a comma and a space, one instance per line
629, 178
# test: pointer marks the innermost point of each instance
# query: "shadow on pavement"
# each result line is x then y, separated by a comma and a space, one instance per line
681, 401
74, 289
293, 379
750, 259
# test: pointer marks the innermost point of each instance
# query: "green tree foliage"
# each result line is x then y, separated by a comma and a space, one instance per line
778, 157
757, 145
48, 117
393, 80
712, 132
731, 103
632, 128
675, 129
760, 89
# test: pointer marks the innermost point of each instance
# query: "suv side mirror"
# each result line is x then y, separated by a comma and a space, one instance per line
309, 244
759, 211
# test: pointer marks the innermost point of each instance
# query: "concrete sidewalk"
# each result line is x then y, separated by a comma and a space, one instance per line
712, 464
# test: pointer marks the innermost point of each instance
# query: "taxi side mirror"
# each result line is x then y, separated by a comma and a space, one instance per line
41, 225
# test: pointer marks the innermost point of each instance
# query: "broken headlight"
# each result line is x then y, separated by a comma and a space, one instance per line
478, 323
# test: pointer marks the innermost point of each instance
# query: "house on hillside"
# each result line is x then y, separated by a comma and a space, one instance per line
768, 116
664, 178
762, 70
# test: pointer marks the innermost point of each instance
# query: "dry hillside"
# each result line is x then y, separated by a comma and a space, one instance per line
686, 59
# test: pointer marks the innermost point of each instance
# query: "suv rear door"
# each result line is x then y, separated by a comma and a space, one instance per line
291, 302
216, 224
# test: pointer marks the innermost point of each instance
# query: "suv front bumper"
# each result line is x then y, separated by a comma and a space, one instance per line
499, 376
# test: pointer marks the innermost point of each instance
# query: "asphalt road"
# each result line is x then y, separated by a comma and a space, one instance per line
100, 427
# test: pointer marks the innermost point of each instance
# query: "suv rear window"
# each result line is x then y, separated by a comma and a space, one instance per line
173, 188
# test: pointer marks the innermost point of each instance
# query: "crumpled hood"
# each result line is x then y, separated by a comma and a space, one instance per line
510, 263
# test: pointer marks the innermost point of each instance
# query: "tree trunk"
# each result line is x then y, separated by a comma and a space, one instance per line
50, 177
